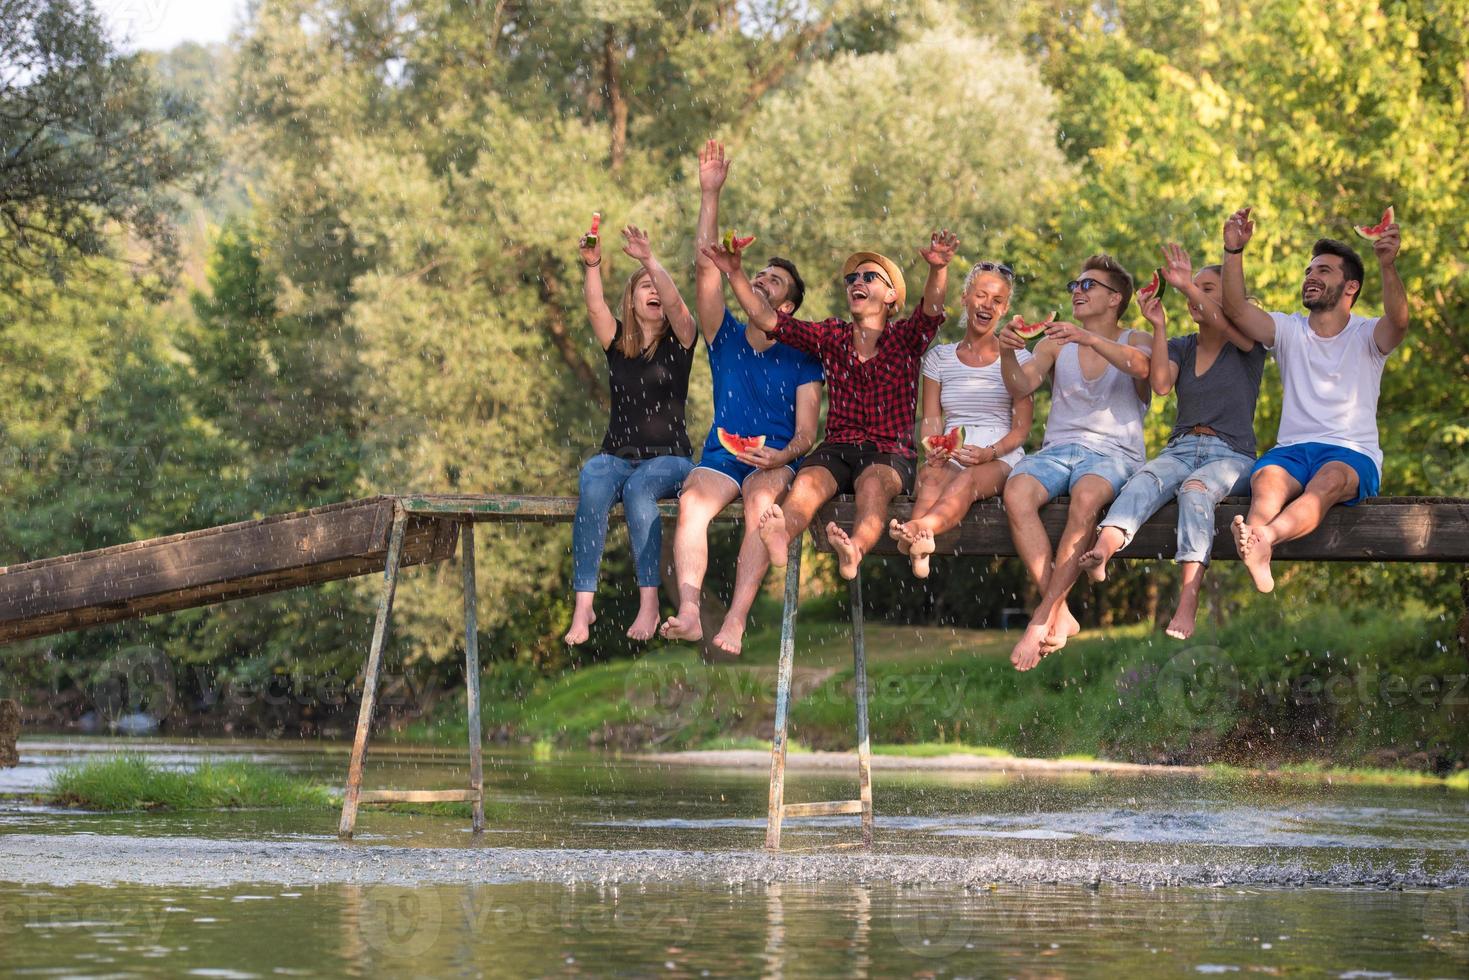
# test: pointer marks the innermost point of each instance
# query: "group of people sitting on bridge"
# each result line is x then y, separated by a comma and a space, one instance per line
767, 370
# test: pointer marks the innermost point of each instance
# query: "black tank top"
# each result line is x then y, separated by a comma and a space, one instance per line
648, 397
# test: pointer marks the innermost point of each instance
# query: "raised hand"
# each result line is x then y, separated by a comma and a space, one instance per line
1387, 245
590, 254
1238, 229
941, 248
635, 243
1008, 337
713, 166
724, 260
1153, 312
1178, 269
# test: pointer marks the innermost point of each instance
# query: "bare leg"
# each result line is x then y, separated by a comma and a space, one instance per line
876, 488
1333, 484
1024, 496
1271, 487
1048, 628
1182, 625
646, 623
959, 494
1109, 542
705, 494
761, 491
933, 479
582, 618
779, 525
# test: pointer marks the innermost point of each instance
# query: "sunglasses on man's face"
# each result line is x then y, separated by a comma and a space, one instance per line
866, 275
999, 267
1085, 285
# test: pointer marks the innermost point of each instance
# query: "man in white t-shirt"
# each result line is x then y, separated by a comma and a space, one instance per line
1331, 364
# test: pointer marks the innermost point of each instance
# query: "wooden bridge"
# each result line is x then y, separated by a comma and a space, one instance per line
382, 534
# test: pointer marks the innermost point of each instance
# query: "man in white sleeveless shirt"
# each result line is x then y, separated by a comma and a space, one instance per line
1331, 363
1094, 438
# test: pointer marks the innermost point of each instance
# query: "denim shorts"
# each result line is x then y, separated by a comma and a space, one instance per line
1057, 468
724, 462
1305, 459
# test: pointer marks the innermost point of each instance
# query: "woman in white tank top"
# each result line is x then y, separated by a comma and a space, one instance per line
962, 386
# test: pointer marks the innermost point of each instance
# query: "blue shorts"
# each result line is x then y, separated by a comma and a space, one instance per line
723, 462
1057, 468
1305, 459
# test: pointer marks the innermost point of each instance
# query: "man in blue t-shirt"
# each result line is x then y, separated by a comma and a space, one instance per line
761, 388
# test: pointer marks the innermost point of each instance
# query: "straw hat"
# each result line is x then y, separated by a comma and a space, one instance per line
888, 266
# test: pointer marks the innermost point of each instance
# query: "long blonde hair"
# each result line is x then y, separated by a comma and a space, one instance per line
631, 342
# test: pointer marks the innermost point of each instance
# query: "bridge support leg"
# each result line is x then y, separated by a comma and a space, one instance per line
783, 697
369, 680
859, 681
471, 679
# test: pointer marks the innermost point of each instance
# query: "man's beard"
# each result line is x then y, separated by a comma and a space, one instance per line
1326, 298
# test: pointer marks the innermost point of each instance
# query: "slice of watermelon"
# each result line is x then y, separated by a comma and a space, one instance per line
734, 243
1155, 286
948, 442
737, 444
1374, 232
590, 238
1030, 331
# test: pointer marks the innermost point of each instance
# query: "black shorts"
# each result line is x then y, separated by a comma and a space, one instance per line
846, 461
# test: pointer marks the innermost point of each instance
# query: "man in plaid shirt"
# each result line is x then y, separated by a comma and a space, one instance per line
871, 365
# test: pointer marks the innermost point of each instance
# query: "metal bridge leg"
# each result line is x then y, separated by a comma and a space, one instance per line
369, 680
859, 675
471, 678
782, 697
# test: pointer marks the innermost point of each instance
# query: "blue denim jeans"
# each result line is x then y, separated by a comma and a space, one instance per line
639, 484
1207, 459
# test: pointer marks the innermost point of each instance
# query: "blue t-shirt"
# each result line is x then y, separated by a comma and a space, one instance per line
754, 392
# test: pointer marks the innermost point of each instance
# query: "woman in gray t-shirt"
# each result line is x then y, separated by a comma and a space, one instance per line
1210, 452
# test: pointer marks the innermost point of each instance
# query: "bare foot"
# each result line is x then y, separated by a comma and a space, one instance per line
581, 627
899, 533
684, 626
731, 636
1028, 652
1109, 539
920, 550
773, 535
1182, 625
1254, 546
646, 624
849, 556
1063, 626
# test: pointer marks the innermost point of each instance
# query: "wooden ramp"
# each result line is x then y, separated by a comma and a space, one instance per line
199, 568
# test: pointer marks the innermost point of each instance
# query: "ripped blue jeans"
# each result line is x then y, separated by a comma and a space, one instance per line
1207, 460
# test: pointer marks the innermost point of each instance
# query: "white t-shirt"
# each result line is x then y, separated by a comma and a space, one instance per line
1330, 384
974, 397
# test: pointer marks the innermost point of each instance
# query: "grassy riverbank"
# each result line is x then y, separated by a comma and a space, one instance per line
132, 782
1342, 688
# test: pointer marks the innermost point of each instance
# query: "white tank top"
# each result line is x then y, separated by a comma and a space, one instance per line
1105, 415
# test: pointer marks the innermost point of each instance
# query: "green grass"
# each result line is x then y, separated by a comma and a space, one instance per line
131, 782
934, 750
1276, 686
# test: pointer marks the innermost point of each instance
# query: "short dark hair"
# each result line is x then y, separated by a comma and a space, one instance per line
1121, 278
1351, 262
798, 285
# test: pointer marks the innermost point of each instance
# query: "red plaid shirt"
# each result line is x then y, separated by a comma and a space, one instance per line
873, 400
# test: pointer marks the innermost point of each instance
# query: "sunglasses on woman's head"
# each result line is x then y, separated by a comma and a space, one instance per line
1085, 285
999, 267
866, 275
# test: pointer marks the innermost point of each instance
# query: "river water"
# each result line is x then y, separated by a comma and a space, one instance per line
598, 866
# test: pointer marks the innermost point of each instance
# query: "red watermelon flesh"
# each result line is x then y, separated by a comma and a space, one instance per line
737, 444
1374, 232
948, 442
1030, 331
1156, 286
590, 238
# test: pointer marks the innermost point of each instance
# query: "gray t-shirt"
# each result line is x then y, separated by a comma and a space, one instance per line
1224, 398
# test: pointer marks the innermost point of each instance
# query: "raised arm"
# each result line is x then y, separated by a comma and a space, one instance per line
940, 252
708, 282
758, 312
635, 244
1252, 321
1162, 372
1021, 380
604, 325
1179, 271
1393, 326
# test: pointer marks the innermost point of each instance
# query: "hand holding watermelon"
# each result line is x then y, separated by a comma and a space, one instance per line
1030, 331
1384, 236
590, 244
943, 446
750, 450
